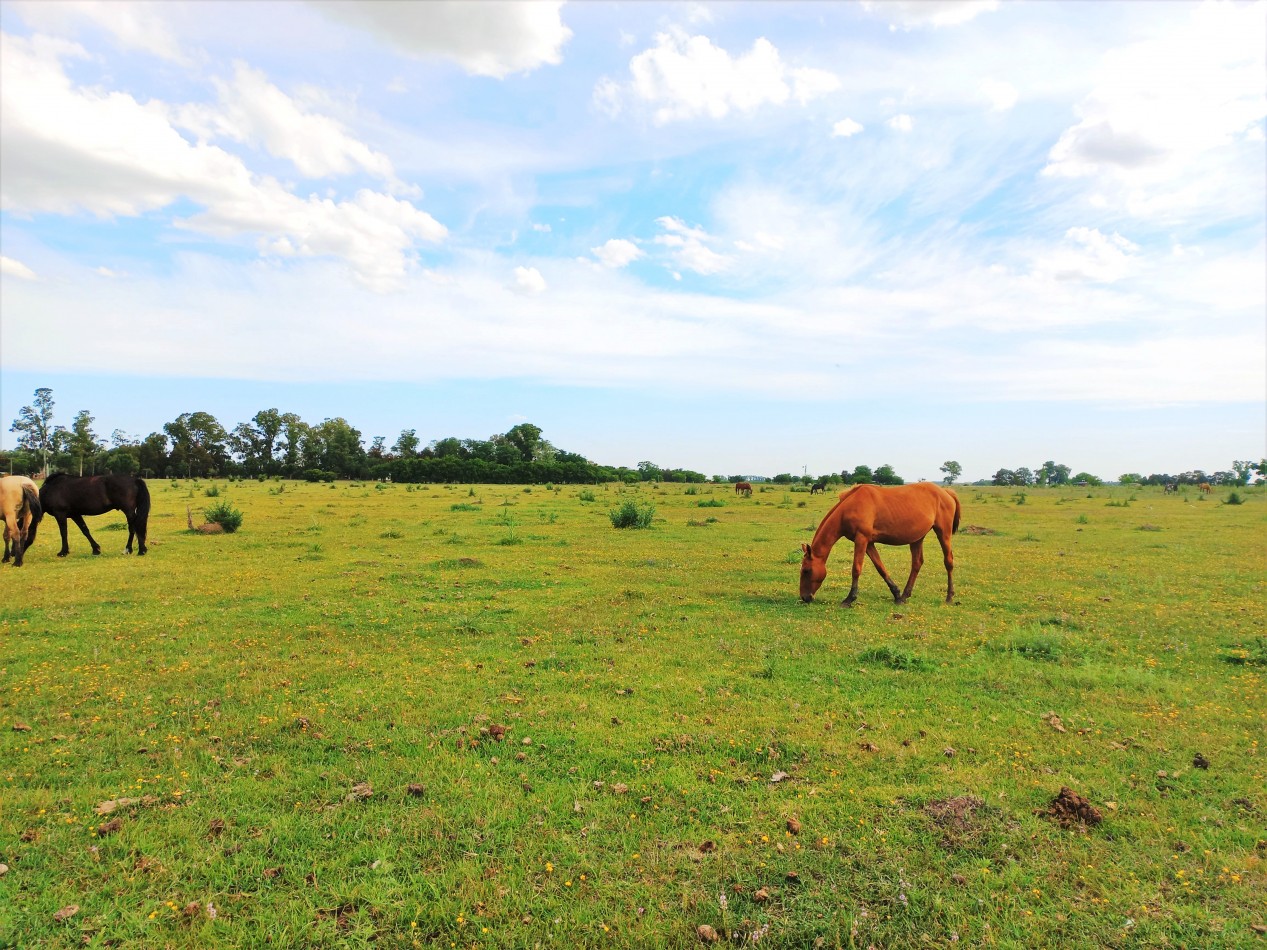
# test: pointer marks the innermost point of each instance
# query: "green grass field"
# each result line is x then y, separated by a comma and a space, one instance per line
482, 717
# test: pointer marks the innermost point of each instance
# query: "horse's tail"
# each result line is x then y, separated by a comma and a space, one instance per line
142, 499
32, 498
954, 528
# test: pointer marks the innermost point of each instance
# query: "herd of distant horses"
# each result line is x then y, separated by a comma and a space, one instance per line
866, 515
68, 497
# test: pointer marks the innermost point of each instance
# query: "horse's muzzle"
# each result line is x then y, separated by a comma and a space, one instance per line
808, 598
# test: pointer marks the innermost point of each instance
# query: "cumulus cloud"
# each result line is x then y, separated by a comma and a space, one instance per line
67, 149
528, 280
254, 111
684, 77
138, 26
688, 247
916, 14
845, 128
493, 38
15, 268
901, 123
1087, 254
617, 252
1160, 107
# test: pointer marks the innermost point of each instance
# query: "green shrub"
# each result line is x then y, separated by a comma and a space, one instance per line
212, 492
711, 503
632, 515
586, 495
1235, 499
225, 515
893, 658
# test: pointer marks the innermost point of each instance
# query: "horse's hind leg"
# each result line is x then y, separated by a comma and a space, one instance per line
948, 558
96, 548
874, 554
917, 561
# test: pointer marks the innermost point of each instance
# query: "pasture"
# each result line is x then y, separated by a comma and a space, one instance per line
454, 716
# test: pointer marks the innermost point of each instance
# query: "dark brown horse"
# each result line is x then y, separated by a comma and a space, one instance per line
869, 514
64, 496
817, 487
743, 488
20, 507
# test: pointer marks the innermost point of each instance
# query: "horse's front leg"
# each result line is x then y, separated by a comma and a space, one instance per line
948, 558
859, 555
874, 554
917, 561
96, 548
61, 526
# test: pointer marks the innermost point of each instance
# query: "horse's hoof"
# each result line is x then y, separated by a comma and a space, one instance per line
62, 553
846, 603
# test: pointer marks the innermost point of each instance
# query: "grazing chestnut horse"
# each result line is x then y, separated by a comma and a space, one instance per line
1205, 488
817, 487
64, 496
743, 488
20, 503
870, 514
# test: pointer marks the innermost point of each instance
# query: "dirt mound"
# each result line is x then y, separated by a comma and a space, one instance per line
955, 814
976, 529
1069, 807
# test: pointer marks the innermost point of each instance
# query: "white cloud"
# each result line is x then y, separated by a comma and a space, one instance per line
528, 280
688, 248
1001, 95
684, 77
1164, 107
543, 228
617, 253
901, 123
254, 111
913, 14
133, 25
491, 38
66, 149
14, 268
845, 128
1086, 254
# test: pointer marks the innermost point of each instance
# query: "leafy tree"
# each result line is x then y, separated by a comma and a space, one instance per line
1023, 476
953, 470
34, 426
1004, 476
1131, 478
783, 478
293, 431
152, 454
406, 446
861, 476
884, 475
199, 443
335, 446
526, 439
649, 472
1088, 478
377, 447
83, 441
1243, 470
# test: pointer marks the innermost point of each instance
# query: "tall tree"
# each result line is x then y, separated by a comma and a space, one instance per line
526, 439
198, 442
406, 446
953, 470
34, 426
83, 441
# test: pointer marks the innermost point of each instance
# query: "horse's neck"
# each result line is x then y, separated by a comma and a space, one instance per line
827, 535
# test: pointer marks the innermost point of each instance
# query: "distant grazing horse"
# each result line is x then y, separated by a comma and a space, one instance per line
817, 487
743, 488
20, 502
1205, 488
64, 496
1170, 488
870, 514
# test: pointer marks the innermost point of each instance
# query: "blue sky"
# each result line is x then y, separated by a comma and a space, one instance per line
734, 237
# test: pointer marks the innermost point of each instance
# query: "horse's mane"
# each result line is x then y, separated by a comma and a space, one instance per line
848, 490
54, 477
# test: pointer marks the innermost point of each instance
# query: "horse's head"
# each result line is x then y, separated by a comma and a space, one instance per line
813, 572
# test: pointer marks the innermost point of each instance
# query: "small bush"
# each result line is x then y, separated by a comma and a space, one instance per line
463, 506
632, 515
225, 515
586, 495
1253, 654
893, 658
212, 492
711, 503
1235, 499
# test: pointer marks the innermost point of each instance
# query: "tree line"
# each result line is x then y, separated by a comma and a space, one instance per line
274, 443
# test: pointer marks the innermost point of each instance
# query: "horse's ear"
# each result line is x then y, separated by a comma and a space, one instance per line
805, 548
